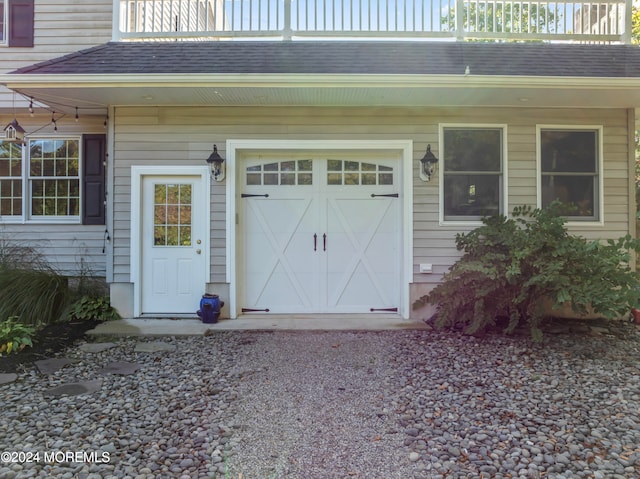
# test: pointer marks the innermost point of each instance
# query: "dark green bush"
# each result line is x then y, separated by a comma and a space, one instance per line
512, 267
89, 307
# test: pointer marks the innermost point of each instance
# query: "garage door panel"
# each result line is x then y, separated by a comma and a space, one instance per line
278, 291
330, 247
277, 240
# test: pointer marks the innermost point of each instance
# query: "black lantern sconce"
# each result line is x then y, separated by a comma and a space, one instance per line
216, 162
428, 165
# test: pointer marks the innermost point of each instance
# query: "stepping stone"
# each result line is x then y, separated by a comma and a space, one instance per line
74, 389
6, 378
50, 366
119, 367
95, 347
154, 347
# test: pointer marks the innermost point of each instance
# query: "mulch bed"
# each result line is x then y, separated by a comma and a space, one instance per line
48, 342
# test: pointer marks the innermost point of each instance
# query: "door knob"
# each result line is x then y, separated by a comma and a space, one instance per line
198, 251
198, 241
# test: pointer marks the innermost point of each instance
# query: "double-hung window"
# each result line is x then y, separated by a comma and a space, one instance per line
569, 170
3, 22
54, 178
10, 180
472, 172
40, 181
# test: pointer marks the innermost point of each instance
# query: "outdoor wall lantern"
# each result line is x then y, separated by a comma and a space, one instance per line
428, 165
216, 162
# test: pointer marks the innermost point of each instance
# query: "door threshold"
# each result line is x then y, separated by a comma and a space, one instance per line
318, 316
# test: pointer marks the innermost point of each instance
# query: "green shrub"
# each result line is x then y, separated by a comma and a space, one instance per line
88, 307
14, 336
37, 296
512, 266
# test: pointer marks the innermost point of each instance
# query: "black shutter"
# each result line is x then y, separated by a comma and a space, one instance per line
20, 23
93, 179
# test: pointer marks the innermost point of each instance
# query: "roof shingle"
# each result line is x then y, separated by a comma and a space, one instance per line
347, 57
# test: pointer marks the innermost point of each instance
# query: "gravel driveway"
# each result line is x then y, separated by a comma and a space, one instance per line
391, 404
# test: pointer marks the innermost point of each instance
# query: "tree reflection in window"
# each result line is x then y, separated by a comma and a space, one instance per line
172, 215
472, 173
569, 171
291, 172
351, 173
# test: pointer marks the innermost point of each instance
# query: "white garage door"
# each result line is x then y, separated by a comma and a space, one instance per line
320, 235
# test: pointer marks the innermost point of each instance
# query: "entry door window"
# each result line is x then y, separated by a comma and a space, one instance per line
172, 215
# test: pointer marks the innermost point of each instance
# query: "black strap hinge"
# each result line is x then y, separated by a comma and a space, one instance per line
247, 195
390, 195
249, 310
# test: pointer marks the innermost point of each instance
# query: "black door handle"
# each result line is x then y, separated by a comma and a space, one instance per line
315, 241
324, 242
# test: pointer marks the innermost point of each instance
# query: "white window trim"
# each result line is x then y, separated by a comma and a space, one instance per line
599, 128
27, 217
5, 34
17, 219
505, 176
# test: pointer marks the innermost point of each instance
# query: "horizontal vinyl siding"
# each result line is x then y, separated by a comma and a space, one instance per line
169, 136
60, 28
68, 248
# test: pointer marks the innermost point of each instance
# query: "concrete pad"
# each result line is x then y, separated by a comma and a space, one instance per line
119, 367
50, 366
74, 389
96, 347
6, 378
155, 347
195, 327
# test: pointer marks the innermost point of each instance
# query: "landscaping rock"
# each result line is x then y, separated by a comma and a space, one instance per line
50, 366
74, 389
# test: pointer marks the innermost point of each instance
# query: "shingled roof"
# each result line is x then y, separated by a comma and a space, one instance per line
348, 57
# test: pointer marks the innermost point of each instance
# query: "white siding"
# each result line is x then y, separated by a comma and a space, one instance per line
60, 28
165, 136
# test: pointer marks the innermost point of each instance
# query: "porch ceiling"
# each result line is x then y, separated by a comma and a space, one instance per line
99, 91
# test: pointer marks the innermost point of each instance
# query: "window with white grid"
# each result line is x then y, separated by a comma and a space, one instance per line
10, 180
54, 178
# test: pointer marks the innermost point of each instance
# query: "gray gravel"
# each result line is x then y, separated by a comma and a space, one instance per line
393, 404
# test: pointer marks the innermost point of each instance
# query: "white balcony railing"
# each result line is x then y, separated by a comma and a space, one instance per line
568, 20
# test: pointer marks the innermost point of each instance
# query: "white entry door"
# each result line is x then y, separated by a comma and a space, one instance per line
320, 235
173, 255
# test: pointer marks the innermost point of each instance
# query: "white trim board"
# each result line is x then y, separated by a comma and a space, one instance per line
235, 147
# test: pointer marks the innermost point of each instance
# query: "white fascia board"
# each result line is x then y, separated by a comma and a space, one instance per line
65, 81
